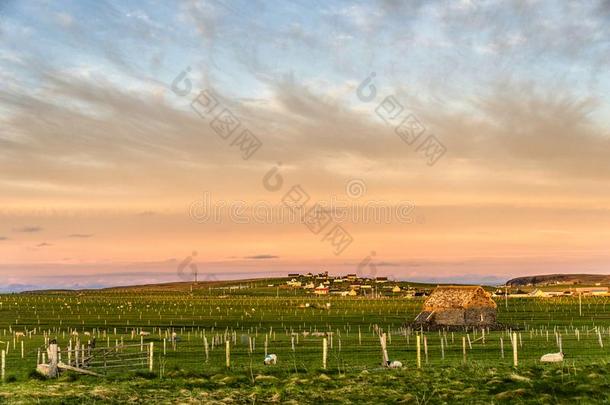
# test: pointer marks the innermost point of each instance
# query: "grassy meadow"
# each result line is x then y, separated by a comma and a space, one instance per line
477, 366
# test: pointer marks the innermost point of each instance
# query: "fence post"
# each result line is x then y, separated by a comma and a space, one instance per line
502, 347
205, 346
53, 360
426, 348
324, 352
384, 350
22, 353
3, 365
151, 357
228, 353
418, 346
515, 357
266, 342
464, 348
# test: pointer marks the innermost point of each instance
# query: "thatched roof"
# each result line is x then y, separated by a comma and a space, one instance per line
444, 297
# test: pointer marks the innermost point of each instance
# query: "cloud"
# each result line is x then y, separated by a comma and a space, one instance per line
28, 229
3, 238
44, 244
261, 257
80, 235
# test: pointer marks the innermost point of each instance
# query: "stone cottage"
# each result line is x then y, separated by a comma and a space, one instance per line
458, 306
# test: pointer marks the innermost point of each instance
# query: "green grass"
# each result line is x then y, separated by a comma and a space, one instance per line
353, 373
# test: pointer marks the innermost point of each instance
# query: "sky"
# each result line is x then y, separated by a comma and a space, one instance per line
140, 140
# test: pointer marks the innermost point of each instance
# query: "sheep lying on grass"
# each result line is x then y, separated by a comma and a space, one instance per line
552, 358
143, 333
394, 364
270, 359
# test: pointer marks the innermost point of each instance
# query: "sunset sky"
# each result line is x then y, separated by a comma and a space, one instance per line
104, 162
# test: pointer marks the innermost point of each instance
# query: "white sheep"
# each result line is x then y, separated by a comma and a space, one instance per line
87, 333
19, 334
394, 364
552, 358
74, 333
270, 359
143, 333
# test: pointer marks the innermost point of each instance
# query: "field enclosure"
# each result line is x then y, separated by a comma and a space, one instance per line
191, 332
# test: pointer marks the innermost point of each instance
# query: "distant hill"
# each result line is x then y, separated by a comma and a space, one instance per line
585, 279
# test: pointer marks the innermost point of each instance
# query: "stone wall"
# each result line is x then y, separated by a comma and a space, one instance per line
480, 316
450, 316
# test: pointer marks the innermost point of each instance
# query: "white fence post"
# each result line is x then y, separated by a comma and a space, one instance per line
324, 352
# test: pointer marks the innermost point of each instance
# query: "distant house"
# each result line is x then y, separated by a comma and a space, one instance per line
538, 293
293, 283
458, 306
381, 279
591, 290
396, 289
352, 293
291, 275
352, 277
321, 290
309, 285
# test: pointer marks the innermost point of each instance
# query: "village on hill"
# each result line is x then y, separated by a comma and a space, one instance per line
350, 285
374, 287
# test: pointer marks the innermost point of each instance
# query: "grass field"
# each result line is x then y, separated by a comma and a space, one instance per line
255, 317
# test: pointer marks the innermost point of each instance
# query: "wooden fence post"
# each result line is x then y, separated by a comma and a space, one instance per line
53, 360
228, 353
3, 365
266, 343
426, 348
418, 346
502, 347
464, 348
151, 356
324, 352
384, 350
206, 348
515, 357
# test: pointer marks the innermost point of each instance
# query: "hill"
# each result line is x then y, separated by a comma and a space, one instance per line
546, 279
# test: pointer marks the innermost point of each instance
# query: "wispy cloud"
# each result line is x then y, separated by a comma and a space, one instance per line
261, 257
28, 229
80, 235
